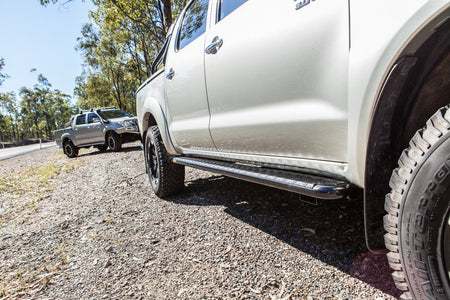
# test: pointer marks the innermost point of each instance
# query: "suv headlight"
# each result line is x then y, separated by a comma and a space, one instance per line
128, 123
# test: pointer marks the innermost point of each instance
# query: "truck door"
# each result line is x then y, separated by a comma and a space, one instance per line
80, 130
276, 74
94, 129
187, 103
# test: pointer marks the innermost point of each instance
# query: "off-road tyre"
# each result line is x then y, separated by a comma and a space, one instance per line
166, 177
114, 142
102, 148
418, 220
70, 149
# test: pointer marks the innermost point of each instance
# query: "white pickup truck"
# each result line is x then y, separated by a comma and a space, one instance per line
324, 98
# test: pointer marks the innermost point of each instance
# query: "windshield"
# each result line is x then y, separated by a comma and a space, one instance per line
115, 113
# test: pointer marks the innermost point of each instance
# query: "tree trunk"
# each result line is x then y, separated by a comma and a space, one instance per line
167, 14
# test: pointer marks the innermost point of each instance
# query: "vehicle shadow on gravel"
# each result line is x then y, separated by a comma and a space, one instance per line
332, 231
123, 150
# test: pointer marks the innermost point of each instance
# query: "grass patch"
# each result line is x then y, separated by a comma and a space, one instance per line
22, 191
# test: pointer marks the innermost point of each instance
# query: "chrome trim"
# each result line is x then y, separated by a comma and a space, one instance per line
214, 46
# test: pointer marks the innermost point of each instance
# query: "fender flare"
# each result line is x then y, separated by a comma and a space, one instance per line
67, 136
389, 117
153, 114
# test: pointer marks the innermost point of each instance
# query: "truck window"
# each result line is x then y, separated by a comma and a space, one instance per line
194, 23
228, 6
93, 118
81, 119
115, 113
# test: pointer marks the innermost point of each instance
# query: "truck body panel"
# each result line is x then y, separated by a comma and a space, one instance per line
281, 110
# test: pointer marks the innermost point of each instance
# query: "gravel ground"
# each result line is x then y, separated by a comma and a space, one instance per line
91, 228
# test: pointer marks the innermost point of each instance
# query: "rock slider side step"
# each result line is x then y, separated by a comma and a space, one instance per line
305, 184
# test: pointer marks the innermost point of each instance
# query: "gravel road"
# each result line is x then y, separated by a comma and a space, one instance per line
90, 228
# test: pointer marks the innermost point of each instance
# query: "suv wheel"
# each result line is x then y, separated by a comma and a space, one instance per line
70, 149
114, 142
418, 219
166, 178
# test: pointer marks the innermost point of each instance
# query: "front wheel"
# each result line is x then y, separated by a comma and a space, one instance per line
418, 219
114, 142
166, 178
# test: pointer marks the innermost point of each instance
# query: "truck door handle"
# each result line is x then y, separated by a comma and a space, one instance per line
170, 74
214, 46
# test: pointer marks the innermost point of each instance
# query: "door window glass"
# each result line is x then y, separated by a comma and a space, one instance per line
228, 6
194, 23
93, 118
81, 119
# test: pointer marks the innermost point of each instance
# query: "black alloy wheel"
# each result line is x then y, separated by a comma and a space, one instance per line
153, 163
70, 149
166, 177
114, 142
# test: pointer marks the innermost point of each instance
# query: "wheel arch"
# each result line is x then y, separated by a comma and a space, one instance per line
65, 139
107, 132
153, 114
414, 89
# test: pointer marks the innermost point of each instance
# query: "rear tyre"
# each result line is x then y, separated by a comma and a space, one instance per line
70, 149
114, 142
166, 178
418, 219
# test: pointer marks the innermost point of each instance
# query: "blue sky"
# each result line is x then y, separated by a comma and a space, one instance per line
32, 36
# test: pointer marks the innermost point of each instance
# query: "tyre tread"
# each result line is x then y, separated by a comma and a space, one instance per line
171, 179
410, 158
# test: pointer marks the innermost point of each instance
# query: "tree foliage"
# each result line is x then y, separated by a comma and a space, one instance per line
42, 109
3, 76
8, 116
119, 46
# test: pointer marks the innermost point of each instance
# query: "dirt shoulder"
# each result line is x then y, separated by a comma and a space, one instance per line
90, 227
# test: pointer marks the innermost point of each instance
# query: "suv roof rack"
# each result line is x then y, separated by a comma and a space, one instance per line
83, 111
108, 107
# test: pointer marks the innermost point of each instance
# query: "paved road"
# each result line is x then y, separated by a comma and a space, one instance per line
11, 152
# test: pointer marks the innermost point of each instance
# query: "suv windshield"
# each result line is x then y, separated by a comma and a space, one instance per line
115, 113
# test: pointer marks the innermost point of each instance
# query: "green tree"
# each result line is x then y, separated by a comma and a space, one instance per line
109, 77
3, 76
119, 46
42, 109
9, 111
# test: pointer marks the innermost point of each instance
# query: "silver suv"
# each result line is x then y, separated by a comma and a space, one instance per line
101, 128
